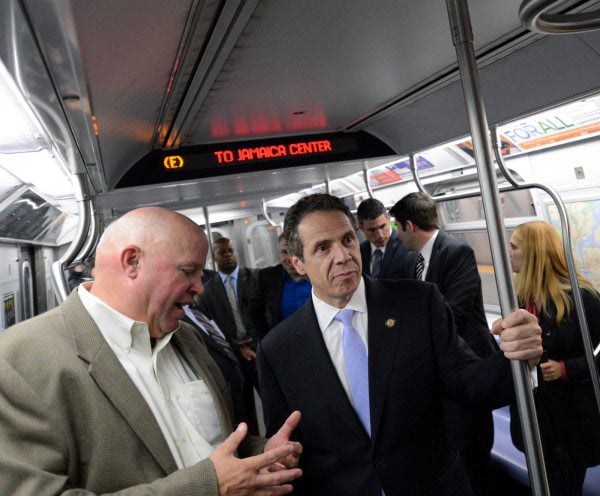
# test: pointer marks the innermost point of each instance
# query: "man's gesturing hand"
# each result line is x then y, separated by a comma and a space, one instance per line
246, 476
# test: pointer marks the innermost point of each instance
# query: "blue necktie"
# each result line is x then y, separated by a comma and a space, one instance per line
357, 367
377, 255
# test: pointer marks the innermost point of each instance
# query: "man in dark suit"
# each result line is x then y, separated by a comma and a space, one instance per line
227, 301
280, 292
449, 263
368, 362
222, 353
382, 254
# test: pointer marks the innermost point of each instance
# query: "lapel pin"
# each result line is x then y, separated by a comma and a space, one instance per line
390, 323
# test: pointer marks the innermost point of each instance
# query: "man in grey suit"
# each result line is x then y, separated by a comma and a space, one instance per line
110, 392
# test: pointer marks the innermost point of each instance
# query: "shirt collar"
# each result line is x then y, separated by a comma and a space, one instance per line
117, 328
233, 275
428, 247
325, 313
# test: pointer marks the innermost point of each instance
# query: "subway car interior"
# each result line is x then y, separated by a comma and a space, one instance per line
229, 111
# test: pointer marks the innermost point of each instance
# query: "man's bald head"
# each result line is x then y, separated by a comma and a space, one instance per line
148, 265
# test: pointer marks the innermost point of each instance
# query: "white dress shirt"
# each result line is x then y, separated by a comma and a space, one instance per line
180, 402
426, 253
332, 329
373, 248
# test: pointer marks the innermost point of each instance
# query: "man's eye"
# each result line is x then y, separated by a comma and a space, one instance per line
187, 272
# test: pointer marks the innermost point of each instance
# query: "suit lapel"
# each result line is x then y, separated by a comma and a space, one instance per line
384, 331
111, 378
319, 369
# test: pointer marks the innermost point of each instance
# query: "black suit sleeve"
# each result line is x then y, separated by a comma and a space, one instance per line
462, 284
465, 378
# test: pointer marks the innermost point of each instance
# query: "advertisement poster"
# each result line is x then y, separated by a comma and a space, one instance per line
393, 173
10, 317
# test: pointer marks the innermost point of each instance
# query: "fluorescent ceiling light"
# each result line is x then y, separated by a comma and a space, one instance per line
40, 169
20, 130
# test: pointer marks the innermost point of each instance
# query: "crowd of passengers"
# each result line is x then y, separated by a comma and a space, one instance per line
145, 379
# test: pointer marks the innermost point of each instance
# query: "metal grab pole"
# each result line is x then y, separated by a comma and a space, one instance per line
209, 235
57, 270
462, 37
566, 235
266, 215
367, 179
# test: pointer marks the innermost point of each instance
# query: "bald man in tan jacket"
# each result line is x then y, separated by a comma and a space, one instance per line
78, 417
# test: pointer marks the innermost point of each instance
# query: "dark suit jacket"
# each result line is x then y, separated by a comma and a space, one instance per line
215, 304
265, 304
453, 269
394, 258
228, 369
415, 358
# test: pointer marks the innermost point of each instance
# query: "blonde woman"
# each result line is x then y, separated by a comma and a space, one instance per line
568, 418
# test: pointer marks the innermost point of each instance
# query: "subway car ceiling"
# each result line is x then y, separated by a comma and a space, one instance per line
114, 82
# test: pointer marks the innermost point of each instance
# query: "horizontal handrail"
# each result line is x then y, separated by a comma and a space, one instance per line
534, 15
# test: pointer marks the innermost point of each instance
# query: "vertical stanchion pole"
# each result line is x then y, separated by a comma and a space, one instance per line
209, 235
462, 37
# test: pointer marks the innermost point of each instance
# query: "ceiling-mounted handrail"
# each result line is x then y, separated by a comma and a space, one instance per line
82, 195
267, 216
93, 234
566, 237
367, 179
534, 16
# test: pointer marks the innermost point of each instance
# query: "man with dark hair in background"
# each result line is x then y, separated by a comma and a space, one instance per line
383, 256
279, 293
450, 263
368, 361
227, 301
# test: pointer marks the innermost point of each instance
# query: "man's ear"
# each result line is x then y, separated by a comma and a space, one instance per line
131, 260
298, 264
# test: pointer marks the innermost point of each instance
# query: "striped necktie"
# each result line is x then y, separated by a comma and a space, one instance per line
202, 320
239, 324
419, 267
377, 256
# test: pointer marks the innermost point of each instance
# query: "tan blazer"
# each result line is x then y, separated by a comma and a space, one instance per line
73, 422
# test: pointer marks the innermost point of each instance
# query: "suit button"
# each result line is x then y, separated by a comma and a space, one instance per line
378, 462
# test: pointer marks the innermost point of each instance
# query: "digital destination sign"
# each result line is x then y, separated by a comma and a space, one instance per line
193, 162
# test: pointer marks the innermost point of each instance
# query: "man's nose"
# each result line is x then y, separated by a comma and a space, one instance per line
341, 253
197, 287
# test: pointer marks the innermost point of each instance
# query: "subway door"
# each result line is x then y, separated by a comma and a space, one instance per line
27, 282
9, 285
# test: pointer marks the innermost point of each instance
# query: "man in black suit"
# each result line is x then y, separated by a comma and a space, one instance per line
368, 362
280, 292
226, 301
222, 353
450, 263
382, 253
